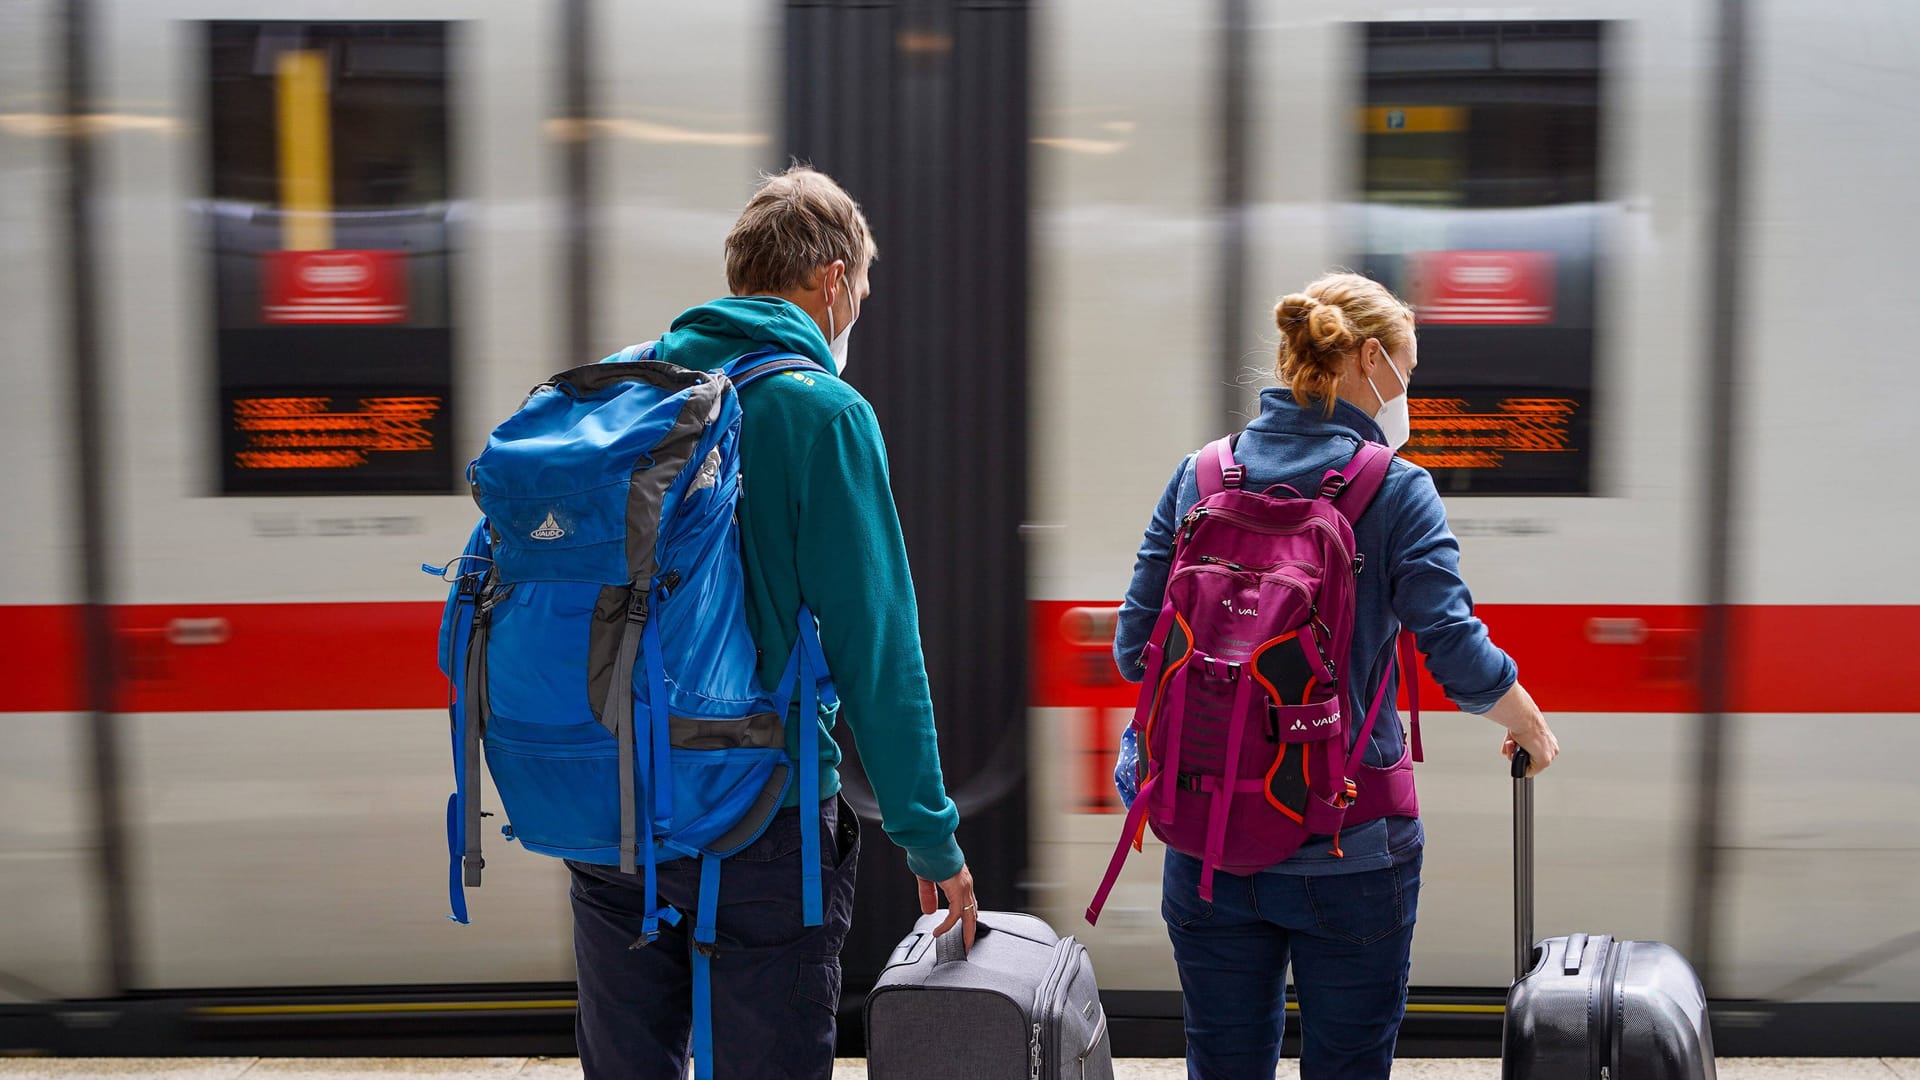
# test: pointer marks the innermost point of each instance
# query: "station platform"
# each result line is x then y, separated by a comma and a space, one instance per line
510, 1068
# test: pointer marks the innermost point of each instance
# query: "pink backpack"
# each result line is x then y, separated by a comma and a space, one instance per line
1240, 713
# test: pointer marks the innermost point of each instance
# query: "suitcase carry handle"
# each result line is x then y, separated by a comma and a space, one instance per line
951, 947
1522, 864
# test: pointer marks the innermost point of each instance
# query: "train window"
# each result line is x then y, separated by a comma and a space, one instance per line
329, 226
1480, 204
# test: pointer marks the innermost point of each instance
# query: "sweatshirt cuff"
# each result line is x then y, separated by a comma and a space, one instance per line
937, 862
1482, 704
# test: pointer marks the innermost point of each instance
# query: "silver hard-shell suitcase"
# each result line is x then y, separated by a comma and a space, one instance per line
1586, 1005
1022, 1006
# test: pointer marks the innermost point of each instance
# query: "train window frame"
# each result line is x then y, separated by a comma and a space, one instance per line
329, 225
1494, 240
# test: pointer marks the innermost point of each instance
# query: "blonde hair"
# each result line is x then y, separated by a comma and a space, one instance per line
796, 223
1322, 325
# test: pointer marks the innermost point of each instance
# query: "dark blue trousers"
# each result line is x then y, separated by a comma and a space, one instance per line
1347, 936
776, 983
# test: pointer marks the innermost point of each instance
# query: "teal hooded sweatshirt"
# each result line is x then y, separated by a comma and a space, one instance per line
818, 524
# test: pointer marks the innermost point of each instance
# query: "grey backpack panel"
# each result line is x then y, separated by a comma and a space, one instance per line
1023, 1004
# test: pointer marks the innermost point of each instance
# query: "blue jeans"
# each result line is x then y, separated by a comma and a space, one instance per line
776, 983
1348, 937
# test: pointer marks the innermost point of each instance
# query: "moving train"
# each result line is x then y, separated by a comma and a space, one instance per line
266, 299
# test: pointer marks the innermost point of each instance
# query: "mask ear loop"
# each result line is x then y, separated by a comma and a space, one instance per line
1387, 359
831, 332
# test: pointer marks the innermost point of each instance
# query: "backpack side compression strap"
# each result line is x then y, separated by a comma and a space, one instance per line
473, 730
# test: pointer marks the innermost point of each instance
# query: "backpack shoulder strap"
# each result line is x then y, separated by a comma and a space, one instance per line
642, 351
1215, 470
1352, 489
755, 366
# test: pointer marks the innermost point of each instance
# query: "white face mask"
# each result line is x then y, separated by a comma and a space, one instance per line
1395, 422
838, 346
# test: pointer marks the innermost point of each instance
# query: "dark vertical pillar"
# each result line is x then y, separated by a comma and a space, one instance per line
85, 386
1719, 506
576, 111
1233, 90
920, 108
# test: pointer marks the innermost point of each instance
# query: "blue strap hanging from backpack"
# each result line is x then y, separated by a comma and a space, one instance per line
806, 667
705, 936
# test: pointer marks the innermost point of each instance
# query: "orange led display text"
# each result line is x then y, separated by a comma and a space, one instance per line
309, 433
1448, 435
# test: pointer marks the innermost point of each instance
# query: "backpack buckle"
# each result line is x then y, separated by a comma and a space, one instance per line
1348, 793
1332, 485
1234, 476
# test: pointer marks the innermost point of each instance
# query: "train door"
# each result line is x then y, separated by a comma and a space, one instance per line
1537, 189
52, 940
1818, 866
324, 276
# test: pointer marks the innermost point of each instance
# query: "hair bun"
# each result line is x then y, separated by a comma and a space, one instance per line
1294, 308
1314, 330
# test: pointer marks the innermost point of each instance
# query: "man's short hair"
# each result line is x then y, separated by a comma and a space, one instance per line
796, 223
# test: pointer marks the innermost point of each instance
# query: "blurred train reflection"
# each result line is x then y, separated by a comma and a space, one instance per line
332, 252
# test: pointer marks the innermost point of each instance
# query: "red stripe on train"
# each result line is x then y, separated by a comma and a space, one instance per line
231, 657
1574, 658
1581, 658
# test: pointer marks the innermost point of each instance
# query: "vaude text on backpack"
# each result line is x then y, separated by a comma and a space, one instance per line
597, 641
1240, 713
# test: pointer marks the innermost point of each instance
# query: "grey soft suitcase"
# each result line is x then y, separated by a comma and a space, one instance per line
1021, 1006
1586, 1005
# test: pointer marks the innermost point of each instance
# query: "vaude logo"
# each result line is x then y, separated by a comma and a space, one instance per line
1228, 604
548, 530
1318, 722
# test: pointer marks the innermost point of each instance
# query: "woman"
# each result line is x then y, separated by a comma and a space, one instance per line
1341, 909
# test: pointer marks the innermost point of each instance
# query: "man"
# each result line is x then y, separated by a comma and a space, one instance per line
817, 526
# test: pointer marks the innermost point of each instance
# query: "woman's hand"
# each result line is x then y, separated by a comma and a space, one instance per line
1526, 729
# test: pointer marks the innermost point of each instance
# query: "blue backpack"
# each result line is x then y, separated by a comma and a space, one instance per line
596, 638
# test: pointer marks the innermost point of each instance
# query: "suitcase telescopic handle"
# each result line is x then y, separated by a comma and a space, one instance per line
1522, 864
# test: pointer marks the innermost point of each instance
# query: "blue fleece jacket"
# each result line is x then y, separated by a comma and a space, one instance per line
1412, 578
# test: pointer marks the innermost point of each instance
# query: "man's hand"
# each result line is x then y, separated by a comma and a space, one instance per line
962, 908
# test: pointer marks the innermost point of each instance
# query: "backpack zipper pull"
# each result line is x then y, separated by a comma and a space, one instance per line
1033, 1054
1193, 521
